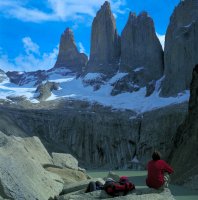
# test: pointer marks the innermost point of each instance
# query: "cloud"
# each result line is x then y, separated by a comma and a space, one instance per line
30, 46
31, 60
161, 39
56, 10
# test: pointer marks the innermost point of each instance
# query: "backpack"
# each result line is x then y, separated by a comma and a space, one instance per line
118, 189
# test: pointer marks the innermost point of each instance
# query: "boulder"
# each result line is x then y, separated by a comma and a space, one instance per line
181, 48
68, 175
105, 42
22, 176
65, 160
140, 47
69, 57
184, 154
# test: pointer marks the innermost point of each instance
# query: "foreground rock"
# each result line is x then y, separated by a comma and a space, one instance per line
22, 176
140, 47
105, 42
69, 176
69, 56
184, 156
65, 160
181, 48
139, 194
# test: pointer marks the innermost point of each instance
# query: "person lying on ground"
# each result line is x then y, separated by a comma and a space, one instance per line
93, 186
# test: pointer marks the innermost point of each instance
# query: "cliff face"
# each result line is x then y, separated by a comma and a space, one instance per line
69, 56
140, 47
105, 42
181, 48
184, 155
97, 136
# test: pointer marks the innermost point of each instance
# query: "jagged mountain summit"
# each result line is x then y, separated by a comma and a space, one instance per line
69, 56
105, 42
140, 47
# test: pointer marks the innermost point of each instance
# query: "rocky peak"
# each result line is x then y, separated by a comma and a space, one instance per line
69, 56
181, 48
140, 46
69, 43
105, 42
106, 6
143, 14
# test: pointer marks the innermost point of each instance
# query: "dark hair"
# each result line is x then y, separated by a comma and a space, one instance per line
156, 155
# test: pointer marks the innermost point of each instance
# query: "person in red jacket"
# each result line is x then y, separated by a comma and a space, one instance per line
158, 172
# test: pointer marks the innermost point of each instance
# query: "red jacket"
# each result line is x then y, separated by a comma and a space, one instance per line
156, 169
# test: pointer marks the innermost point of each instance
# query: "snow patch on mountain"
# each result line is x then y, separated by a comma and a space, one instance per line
72, 87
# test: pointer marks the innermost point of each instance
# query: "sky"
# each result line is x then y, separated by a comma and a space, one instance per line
30, 30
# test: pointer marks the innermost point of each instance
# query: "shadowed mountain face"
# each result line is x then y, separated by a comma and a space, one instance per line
105, 42
181, 48
97, 136
185, 152
69, 56
140, 47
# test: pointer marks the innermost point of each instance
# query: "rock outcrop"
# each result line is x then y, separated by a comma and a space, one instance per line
184, 155
22, 176
181, 48
44, 90
23, 78
105, 42
69, 56
69, 176
140, 47
65, 160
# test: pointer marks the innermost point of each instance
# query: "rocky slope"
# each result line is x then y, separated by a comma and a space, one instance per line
105, 42
69, 56
181, 48
140, 47
97, 136
184, 156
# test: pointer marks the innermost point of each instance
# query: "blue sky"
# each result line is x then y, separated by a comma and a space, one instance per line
30, 29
